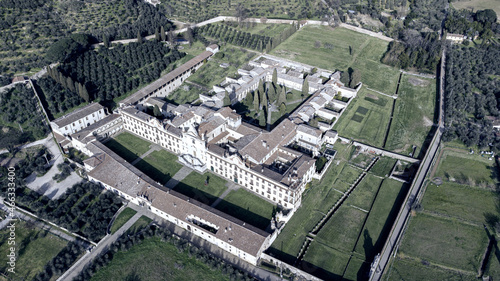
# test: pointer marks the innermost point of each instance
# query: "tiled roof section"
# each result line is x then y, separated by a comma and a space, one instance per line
244, 141
306, 129
210, 125
77, 114
137, 114
216, 149
162, 104
95, 160
247, 129
262, 145
297, 171
173, 130
331, 134
144, 92
295, 74
118, 173
227, 112
80, 135
312, 79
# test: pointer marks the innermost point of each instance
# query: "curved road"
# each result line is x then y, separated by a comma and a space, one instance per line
402, 219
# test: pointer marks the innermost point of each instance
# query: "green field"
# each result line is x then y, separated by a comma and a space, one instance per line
264, 29
459, 201
463, 168
128, 146
383, 166
413, 115
329, 269
477, 5
194, 186
246, 206
385, 208
346, 178
122, 218
361, 160
342, 229
156, 260
160, 165
356, 269
372, 127
364, 194
366, 54
444, 241
34, 249
410, 270
139, 225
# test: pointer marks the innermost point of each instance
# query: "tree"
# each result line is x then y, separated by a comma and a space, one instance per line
282, 96
275, 77
282, 109
189, 35
272, 93
227, 100
156, 111
355, 78
262, 118
256, 101
106, 41
157, 35
248, 100
487, 15
241, 12
305, 88
162, 34
139, 37
171, 38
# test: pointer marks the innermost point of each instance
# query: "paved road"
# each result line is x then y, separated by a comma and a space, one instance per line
102, 246
402, 219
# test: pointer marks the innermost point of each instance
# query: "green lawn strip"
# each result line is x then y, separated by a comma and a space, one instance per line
316, 201
493, 267
444, 241
194, 186
342, 229
330, 263
459, 201
364, 194
156, 260
357, 269
413, 114
370, 128
383, 166
362, 160
128, 146
410, 270
142, 222
346, 178
365, 56
467, 169
380, 219
122, 218
34, 249
160, 165
247, 207
264, 29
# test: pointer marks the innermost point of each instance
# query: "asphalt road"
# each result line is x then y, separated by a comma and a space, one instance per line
402, 219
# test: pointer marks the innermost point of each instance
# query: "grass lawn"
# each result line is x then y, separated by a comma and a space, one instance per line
182, 96
467, 169
122, 218
331, 262
346, 178
342, 229
156, 260
160, 165
477, 5
128, 146
410, 270
247, 207
364, 194
383, 166
357, 269
141, 223
381, 217
370, 128
316, 200
264, 29
413, 115
362, 160
493, 267
459, 201
365, 56
444, 241
194, 186
34, 249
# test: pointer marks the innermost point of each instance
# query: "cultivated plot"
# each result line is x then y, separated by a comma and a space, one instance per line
128, 146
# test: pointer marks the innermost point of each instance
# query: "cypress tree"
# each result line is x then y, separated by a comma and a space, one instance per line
156, 111
282, 96
139, 37
275, 77
227, 100
256, 101
162, 33
305, 87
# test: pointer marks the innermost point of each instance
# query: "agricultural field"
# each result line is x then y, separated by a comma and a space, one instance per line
449, 230
153, 260
366, 119
247, 207
34, 249
461, 167
160, 165
348, 241
383, 166
264, 29
413, 116
477, 5
341, 49
128, 146
205, 188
